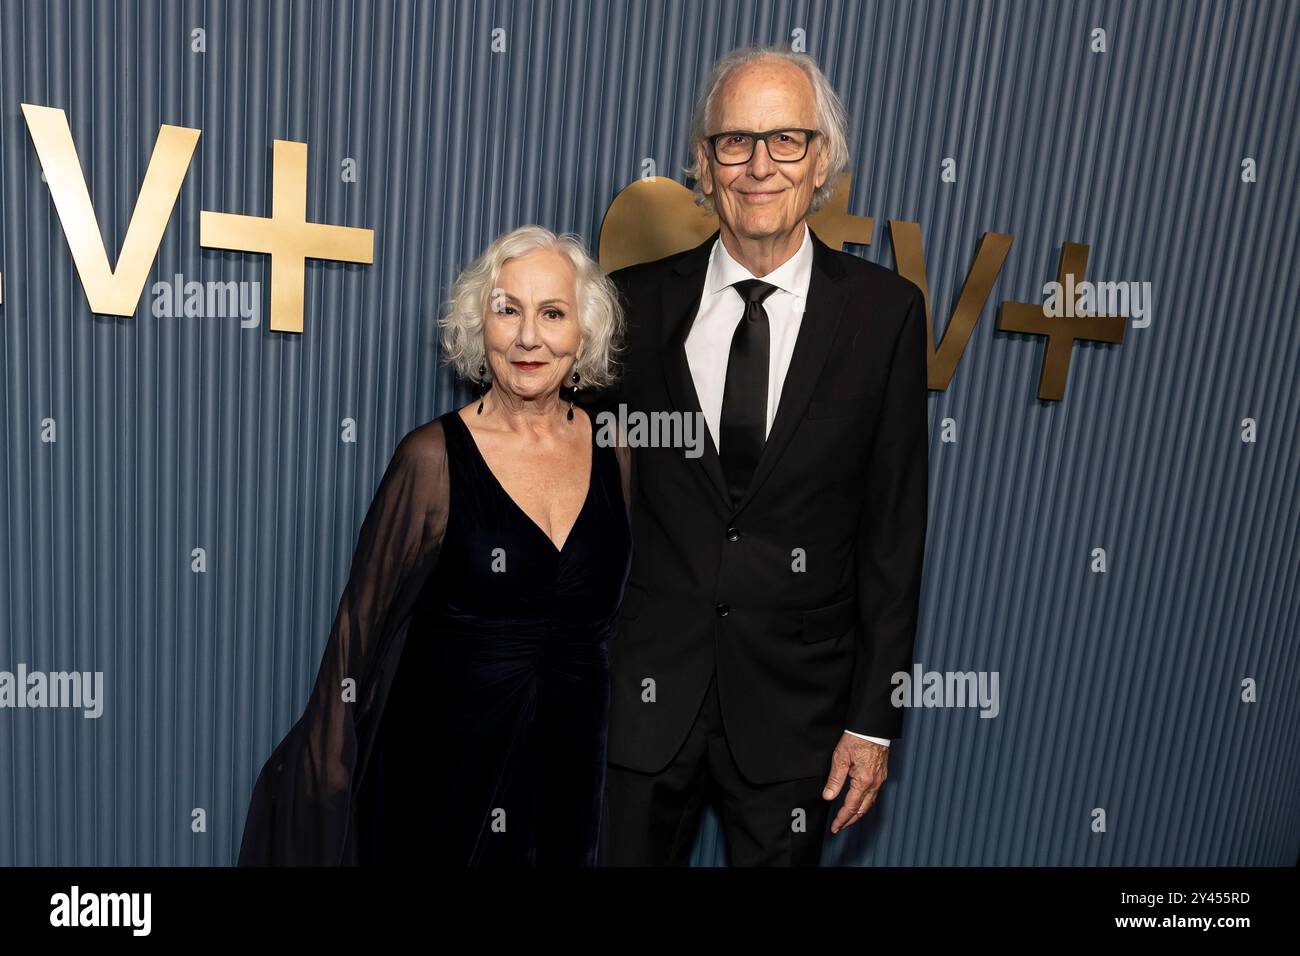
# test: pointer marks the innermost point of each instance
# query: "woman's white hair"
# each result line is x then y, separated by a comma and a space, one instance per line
599, 315
831, 117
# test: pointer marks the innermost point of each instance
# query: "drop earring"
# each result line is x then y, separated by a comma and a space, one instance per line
575, 392
482, 372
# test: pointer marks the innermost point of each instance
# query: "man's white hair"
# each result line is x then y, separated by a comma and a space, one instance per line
830, 114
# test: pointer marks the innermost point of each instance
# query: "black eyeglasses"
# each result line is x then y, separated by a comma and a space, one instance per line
734, 147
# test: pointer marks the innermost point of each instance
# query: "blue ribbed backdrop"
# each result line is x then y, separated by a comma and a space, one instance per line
1120, 691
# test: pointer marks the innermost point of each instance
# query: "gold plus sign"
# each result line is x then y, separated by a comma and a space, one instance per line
1061, 331
287, 237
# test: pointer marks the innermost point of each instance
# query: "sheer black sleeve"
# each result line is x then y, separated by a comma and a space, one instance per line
301, 808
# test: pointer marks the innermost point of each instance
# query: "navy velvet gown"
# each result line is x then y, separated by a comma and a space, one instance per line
459, 712
491, 747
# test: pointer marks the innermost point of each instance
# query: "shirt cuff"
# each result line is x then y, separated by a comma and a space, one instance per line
884, 742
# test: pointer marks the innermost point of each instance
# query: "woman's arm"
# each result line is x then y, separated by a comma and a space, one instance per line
300, 813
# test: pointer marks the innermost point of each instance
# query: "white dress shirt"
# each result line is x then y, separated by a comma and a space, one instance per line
708, 345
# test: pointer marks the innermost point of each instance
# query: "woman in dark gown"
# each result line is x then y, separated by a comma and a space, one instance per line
492, 745
459, 714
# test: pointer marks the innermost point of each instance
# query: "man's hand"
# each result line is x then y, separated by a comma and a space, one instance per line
864, 763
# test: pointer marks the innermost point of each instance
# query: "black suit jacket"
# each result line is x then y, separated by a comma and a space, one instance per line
803, 595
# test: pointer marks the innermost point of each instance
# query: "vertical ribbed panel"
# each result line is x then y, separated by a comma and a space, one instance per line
1118, 691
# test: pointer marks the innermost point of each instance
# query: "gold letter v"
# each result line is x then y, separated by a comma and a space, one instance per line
110, 292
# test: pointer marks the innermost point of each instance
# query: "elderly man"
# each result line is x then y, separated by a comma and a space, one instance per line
775, 578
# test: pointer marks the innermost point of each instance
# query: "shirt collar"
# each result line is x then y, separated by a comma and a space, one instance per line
790, 276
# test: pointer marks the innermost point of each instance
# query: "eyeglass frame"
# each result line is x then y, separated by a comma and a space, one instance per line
761, 137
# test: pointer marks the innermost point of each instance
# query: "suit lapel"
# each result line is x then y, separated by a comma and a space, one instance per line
681, 301
823, 311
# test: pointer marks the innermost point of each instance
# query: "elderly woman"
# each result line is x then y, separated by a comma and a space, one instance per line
459, 714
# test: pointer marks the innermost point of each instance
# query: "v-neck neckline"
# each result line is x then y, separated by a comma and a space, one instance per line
591, 481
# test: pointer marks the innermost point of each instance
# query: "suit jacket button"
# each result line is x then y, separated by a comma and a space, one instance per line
733, 534
723, 610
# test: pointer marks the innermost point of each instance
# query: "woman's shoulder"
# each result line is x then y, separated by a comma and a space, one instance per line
425, 444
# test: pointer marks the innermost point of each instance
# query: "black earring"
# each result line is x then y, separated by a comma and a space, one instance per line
575, 392
482, 372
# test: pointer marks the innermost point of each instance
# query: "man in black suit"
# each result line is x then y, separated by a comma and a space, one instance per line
776, 577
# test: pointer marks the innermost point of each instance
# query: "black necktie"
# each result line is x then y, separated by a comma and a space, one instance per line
743, 429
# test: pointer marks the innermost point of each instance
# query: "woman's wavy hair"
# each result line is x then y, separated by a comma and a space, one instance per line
600, 316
